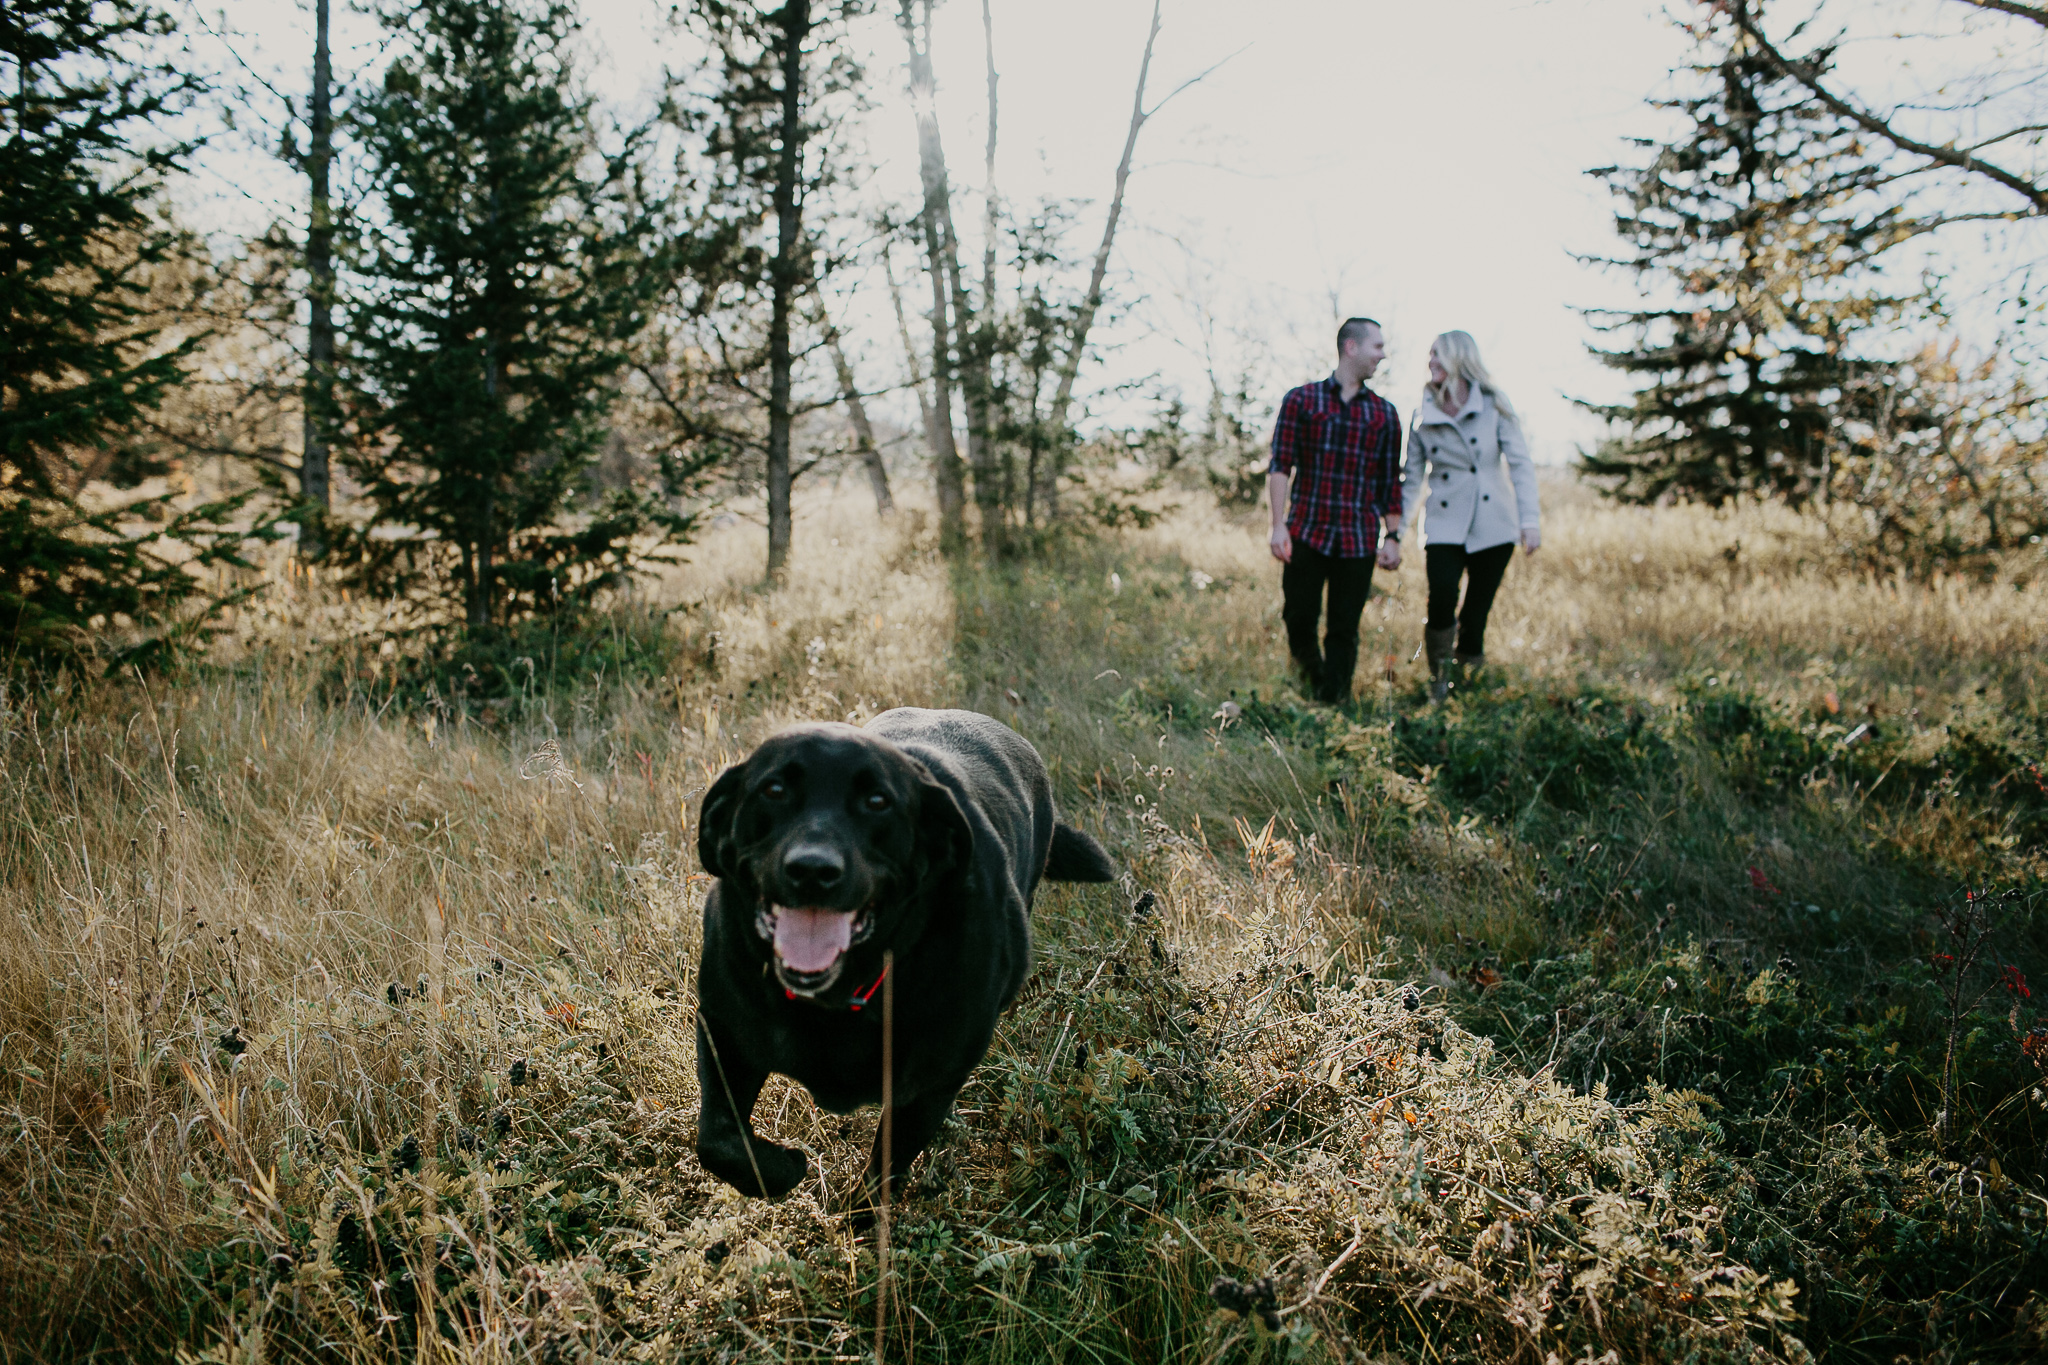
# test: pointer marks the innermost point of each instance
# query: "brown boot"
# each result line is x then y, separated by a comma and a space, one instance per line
1437, 646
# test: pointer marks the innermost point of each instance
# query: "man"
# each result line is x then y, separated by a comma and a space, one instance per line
1335, 483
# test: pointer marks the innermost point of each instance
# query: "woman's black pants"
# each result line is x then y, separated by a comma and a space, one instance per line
1302, 584
1448, 564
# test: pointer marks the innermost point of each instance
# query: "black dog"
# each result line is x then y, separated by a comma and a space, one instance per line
925, 835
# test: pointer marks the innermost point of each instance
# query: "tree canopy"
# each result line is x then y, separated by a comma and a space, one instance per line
516, 250
83, 358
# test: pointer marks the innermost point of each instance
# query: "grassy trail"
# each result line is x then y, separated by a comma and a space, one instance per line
1603, 1009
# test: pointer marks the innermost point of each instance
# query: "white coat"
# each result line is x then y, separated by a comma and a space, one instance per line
1454, 475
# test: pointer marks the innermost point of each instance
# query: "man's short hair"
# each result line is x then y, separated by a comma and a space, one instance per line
1353, 330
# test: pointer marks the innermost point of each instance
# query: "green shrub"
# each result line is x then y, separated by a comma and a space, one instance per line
1500, 749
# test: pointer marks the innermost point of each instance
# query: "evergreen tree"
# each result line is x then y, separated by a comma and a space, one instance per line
1763, 217
513, 254
82, 361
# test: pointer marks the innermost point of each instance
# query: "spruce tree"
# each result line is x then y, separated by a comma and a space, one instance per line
512, 253
1762, 217
82, 362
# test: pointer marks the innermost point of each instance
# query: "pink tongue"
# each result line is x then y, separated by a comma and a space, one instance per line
811, 940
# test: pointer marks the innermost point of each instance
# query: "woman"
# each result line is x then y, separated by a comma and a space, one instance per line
1463, 434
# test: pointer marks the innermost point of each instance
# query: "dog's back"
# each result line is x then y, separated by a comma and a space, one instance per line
994, 767
994, 772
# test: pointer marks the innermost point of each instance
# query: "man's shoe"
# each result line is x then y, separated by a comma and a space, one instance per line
1338, 670
1437, 647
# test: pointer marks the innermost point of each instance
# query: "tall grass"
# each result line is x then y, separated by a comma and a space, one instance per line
336, 1018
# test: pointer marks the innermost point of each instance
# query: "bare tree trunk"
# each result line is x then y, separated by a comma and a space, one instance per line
313, 479
936, 220
857, 413
788, 273
989, 201
1001, 466
483, 586
974, 345
1091, 302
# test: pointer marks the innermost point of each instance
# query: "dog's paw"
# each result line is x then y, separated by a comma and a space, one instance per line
763, 1169
861, 1201
782, 1168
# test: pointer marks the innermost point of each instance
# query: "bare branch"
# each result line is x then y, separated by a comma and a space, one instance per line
275, 456
1197, 79
1092, 301
924, 400
2037, 13
1951, 156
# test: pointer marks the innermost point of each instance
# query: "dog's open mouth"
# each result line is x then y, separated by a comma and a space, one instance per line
811, 943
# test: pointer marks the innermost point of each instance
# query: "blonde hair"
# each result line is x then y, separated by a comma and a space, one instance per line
1458, 353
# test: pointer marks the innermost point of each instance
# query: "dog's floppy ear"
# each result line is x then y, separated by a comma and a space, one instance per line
944, 836
714, 821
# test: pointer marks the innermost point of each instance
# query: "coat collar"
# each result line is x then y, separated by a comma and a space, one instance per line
1475, 401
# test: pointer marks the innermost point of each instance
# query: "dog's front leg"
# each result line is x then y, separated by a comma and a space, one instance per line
727, 1086
912, 1126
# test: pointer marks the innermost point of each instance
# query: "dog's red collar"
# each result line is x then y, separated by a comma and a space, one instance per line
855, 1001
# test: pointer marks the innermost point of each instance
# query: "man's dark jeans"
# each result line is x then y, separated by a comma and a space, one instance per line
1302, 581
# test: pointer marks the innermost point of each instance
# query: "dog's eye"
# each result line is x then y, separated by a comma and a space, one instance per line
775, 789
876, 803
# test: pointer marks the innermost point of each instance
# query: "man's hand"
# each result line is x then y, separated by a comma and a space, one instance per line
1279, 494
1532, 540
1390, 555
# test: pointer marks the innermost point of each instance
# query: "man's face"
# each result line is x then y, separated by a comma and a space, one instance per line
1363, 354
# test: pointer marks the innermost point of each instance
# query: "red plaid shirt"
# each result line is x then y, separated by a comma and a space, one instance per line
1349, 460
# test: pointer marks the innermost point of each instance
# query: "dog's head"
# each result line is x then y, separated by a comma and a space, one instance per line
830, 834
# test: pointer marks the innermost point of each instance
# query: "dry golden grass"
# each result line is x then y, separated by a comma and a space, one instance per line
257, 938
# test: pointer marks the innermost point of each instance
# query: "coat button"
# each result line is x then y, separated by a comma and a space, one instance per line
1486, 497
1445, 503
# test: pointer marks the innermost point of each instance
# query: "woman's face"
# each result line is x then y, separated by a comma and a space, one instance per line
1437, 372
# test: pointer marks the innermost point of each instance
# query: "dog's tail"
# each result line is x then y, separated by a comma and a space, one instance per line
1076, 857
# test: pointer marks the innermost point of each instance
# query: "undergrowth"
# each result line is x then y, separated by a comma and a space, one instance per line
1637, 1001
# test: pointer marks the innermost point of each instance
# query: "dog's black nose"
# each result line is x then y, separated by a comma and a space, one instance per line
813, 867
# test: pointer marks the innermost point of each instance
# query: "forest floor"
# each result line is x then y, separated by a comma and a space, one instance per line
1663, 995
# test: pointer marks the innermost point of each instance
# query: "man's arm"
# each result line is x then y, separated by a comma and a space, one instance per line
1280, 474
1389, 492
1278, 492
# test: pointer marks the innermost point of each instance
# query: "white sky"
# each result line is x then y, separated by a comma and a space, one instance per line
1419, 162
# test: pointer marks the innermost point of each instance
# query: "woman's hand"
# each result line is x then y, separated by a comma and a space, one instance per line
1532, 540
1390, 555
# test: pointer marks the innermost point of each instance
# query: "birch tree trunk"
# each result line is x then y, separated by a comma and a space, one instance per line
1000, 469
935, 219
